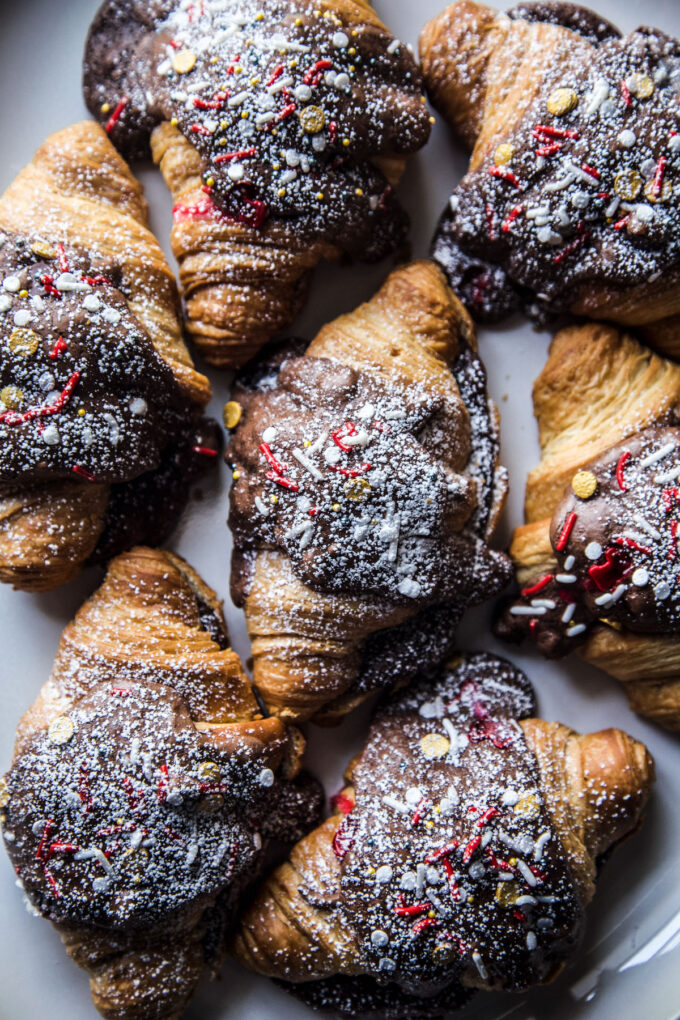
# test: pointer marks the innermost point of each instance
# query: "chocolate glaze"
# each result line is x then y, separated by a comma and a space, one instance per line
283, 104
588, 23
456, 747
540, 231
119, 828
84, 394
619, 565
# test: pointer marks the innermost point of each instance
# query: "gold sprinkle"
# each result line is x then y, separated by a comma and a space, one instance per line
231, 415
527, 806
507, 893
352, 51
281, 192
209, 772
236, 475
43, 250
174, 122
210, 804
23, 293
357, 489
434, 745
24, 342
259, 17
4, 793
320, 196
628, 184
432, 120
503, 154
105, 107
312, 120
641, 85
210, 181
370, 870
336, 507
654, 194
431, 913
562, 101
184, 61
359, 192
584, 484
81, 412
298, 22
445, 952
274, 499
346, 142
60, 730
12, 397
307, 443
429, 824
244, 115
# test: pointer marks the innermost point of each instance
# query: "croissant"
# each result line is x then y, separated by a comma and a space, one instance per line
146, 786
366, 486
596, 559
280, 136
100, 427
461, 856
571, 202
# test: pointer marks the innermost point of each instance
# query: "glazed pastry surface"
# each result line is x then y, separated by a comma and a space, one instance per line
366, 485
100, 406
284, 120
146, 787
570, 203
462, 854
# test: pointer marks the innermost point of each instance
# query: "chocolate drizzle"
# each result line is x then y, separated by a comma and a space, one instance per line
583, 196
616, 548
452, 873
136, 817
287, 106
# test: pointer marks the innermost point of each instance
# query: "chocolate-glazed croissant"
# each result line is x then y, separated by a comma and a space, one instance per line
366, 487
462, 854
597, 559
280, 129
100, 406
571, 200
146, 787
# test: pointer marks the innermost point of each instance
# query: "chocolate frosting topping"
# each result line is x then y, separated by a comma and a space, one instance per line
122, 815
451, 868
615, 536
83, 392
583, 195
287, 106
367, 488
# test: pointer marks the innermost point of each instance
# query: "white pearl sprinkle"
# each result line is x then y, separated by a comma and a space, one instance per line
266, 777
12, 284
92, 303
593, 550
626, 138
640, 577
22, 317
111, 315
50, 435
414, 795
139, 406
340, 40
379, 938
5, 303
236, 172
384, 873
332, 455
269, 434
662, 591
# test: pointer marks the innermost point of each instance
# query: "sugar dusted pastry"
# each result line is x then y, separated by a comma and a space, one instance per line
100, 406
366, 488
461, 856
597, 560
281, 128
146, 787
571, 200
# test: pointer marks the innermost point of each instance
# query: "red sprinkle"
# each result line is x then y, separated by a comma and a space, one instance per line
566, 532
285, 483
285, 112
620, 224
673, 550
506, 175
313, 75
63, 261
83, 473
546, 131
487, 816
343, 840
426, 922
669, 496
659, 176
277, 74
342, 803
84, 787
442, 852
419, 811
591, 171
517, 211
226, 157
198, 129
539, 586
58, 348
115, 116
574, 245
632, 544
490, 222
48, 283
50, 826
271, 459
549, 150
163, 784
451, 876
332, 130
470, 849
413, 911
623, 460
14, 418
625, 92
205, 451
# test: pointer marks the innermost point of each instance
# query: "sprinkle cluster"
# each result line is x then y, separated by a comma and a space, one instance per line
450, 863
584, 195
615, 535
286, 103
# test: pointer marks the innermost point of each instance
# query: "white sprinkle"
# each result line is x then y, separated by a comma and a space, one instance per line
509, 797
264, 118
526, 611
360, 439
566, 578
279, 85
421, 872
237, 100
569, 562
674, 143
568, 613
136, 839
269, 434
561, 184
644, 213
264, 510
450, 801
409, 588
626, 138
366, 412
394, 414
387, 964
22, 317
266, 777
236, 172
523, 844
303, 93
307, 465
398, 805
111, 315
662, 591
575, 631
408, 881
597, 97
340, 40
454, 203
101, 885
526, 873
432, 709
5, 303
315, 447
393, 47
342, 81
139, 406
526, 901
479, 964
91, 303
540, 844
257, 840
12, 284
414, 795
647, 527
618, 592
670, 476
531, 941
332, 455
593, 550
97, 855
544, 603
613, 206
436, 902
192, 854
50, 435
379, 938
384, 874
640, 577
68, 283
603, 600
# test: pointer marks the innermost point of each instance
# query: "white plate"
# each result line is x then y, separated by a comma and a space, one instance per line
628, 965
